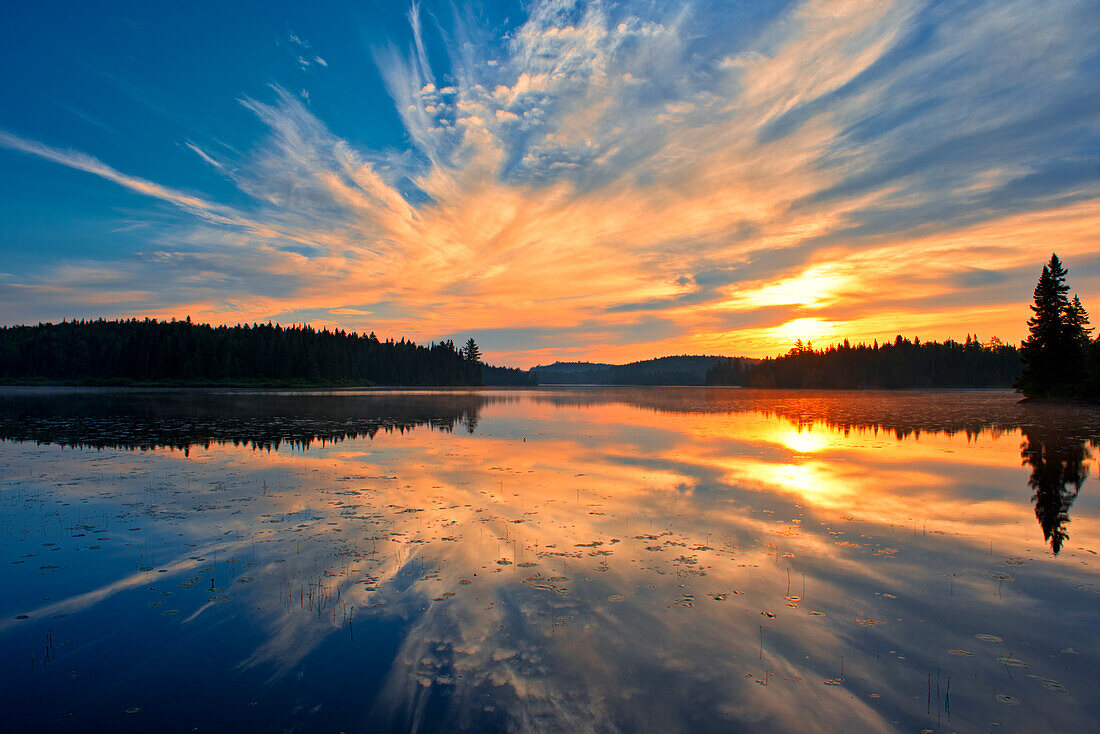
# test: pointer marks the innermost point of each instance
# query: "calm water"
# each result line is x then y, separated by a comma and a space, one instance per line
679, 559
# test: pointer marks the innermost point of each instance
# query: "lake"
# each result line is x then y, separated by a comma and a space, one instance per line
573, 559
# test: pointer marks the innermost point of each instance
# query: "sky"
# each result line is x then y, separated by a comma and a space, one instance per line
606, 181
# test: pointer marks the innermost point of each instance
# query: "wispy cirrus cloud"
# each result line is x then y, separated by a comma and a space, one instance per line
206, 157
661, 180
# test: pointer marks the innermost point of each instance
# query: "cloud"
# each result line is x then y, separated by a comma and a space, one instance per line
210, 212
806, 163
204, 155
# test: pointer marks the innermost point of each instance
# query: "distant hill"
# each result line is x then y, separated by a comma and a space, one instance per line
573, 367
678, 370
507, 376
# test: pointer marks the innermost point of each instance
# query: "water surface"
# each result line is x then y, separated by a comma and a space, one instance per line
611, 559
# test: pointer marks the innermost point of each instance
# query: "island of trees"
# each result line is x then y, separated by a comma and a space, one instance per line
136, 352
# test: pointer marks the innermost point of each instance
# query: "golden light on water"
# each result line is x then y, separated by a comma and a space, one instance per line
596, 532
805, 441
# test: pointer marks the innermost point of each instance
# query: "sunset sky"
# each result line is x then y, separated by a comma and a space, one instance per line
602, 181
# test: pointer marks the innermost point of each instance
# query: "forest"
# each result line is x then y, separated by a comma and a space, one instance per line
152, 352
901, 363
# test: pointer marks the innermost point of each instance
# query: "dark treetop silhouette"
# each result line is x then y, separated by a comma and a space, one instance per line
179, 352
471, 351
898, 364
1060, 360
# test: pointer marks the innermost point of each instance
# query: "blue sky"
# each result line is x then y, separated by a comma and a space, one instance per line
599, 180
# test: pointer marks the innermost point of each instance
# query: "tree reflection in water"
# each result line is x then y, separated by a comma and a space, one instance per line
1058, 470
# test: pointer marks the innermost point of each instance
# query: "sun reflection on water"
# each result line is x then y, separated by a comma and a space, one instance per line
804, 441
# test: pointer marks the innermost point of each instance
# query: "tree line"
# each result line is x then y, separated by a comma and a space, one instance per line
134, 351
898, 364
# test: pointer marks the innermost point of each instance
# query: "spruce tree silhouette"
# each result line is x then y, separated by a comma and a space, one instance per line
1054, 352
1077, 324
471, 351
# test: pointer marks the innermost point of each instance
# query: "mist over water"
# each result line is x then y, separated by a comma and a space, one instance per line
611, 559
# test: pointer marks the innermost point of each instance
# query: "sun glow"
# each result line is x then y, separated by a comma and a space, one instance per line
806, 329
804, 442
815, 288
806, 480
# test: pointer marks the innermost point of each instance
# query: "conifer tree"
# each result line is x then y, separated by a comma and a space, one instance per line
471, 351
1077, 324
1051, 355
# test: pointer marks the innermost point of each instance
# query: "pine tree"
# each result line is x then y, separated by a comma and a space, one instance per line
1077, 324
471, 352
1053, 354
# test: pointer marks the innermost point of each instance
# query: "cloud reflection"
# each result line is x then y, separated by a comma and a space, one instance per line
581, 548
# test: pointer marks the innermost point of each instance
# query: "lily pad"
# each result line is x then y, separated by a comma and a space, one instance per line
1012, 662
